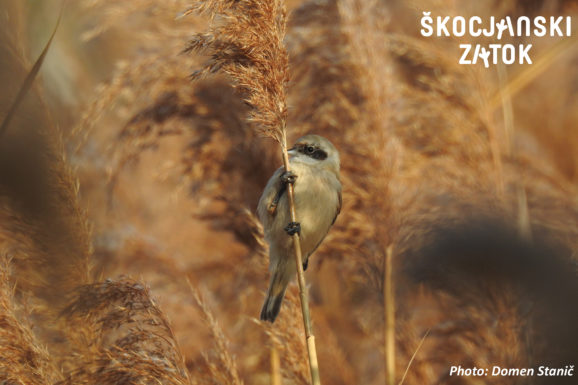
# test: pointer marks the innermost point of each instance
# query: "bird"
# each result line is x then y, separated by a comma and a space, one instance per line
314, 172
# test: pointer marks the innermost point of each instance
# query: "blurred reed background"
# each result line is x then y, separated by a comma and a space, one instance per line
129, 249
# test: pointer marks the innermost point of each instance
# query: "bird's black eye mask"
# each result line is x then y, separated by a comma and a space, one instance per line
311, 151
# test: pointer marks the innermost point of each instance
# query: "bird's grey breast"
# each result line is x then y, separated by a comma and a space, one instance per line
316, 201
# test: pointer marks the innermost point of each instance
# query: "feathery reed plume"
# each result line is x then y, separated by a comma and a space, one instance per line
245, 41
124, 337
23, 360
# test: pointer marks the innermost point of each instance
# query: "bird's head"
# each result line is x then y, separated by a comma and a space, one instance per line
315, 151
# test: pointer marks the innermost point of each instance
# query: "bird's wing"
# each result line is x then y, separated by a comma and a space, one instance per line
272, 194
338, 210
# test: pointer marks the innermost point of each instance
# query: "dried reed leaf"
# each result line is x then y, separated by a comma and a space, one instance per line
27, 84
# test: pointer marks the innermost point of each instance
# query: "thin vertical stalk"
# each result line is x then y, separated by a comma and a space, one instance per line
389, 309
275, 366
303, 294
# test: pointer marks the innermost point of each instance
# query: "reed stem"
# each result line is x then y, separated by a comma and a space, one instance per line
389, 308
303, 294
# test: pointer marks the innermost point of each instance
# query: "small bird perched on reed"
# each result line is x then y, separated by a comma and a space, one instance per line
314, 164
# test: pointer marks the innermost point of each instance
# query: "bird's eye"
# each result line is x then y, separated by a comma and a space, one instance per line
309, 150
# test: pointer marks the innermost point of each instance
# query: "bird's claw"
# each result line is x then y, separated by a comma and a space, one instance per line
288, 177
305, 264
293, 228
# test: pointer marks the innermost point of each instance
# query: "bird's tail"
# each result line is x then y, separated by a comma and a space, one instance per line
275, 295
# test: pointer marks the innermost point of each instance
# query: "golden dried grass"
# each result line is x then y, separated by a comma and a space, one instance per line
436, 159
124, 338
23, 359
44, 229
443, 163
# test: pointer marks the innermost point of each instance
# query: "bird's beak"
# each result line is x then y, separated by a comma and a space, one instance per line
292, 152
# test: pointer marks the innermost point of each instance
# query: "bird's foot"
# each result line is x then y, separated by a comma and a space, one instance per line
288, 177
305, 264
293, 228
